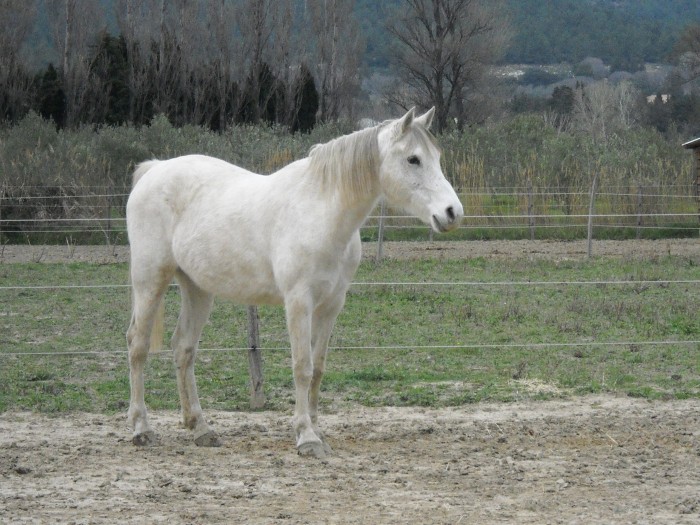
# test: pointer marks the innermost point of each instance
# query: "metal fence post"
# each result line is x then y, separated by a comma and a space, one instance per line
257, 395
380, 233
591, 209
530, 209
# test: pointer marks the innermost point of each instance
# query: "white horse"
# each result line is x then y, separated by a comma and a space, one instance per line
289, 238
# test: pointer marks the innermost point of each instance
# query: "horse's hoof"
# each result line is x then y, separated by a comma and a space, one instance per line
327, 448
313, 449
145, 439
208, 439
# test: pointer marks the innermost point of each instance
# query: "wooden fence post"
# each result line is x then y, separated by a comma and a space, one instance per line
591, 209
257, 395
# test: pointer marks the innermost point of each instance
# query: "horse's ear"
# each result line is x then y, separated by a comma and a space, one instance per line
405, 122
426, 119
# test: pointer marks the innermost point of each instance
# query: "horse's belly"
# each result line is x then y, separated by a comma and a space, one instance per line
233, 276
244, 286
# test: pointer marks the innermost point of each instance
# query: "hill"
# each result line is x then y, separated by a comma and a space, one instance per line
624, 33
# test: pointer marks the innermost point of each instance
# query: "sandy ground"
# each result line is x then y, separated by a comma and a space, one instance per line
556, 250
585, 460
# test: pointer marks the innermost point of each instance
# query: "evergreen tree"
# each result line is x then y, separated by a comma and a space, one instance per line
111, 68
307, 102
51, 99
562, 100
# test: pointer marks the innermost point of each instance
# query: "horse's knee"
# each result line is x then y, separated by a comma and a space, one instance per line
184, 356
138, 351
303, 372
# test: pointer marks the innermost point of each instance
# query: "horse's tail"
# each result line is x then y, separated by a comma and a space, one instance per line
141, 170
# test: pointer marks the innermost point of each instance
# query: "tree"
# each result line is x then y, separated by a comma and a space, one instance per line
16, 21
687, 52
220, 12
109, 66
257, 20
76, 23
338, 52
600, 109
51, 99
306, 102
562, 100
443, 50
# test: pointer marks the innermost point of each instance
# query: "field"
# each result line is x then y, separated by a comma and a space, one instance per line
490, 401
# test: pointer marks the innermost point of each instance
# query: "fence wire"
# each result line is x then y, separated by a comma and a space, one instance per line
472, 346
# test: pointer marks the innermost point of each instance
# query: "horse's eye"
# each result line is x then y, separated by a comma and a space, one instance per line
414, 160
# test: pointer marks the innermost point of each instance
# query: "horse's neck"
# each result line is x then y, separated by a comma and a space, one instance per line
345, 216
339, 212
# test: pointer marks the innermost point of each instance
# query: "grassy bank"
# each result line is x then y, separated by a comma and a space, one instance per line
429, 345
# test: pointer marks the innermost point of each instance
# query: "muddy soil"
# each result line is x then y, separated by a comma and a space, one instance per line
585, 460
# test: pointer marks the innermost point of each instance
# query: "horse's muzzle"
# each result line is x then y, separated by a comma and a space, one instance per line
449, 220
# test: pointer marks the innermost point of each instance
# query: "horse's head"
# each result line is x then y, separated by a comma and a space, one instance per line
410, 173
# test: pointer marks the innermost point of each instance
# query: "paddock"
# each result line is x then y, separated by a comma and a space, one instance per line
589, 460
572, 459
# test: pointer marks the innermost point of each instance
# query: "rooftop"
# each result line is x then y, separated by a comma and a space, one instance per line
692, 144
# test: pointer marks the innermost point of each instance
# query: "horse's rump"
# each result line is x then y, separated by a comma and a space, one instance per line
141, 170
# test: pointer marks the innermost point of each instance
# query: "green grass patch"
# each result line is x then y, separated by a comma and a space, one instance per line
64, 349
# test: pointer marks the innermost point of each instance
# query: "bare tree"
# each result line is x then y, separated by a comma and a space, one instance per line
257, 21
220, 13
75, 28
290, 49
16, 20
131, 17
443, 51
338, 52
602, 108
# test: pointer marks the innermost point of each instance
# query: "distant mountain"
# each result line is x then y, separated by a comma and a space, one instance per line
624, 33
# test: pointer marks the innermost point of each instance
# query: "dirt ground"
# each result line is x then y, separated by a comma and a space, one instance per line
586, 460
583, 460
555, 250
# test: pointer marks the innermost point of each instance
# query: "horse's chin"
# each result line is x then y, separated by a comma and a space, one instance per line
441, 227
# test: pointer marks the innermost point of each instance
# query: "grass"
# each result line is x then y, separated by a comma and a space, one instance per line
445, 345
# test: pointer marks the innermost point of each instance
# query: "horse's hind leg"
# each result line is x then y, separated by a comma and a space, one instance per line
147, 298
196, 305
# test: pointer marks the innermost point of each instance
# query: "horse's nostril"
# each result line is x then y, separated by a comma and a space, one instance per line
451, 214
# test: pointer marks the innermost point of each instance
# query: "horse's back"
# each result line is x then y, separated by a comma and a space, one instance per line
179, 173
165, 191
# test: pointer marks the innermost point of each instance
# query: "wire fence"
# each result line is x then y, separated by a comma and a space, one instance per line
63, 215
99, 215
641, 284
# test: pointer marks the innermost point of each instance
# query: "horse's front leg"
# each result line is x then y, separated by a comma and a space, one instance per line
322, 327
298, 309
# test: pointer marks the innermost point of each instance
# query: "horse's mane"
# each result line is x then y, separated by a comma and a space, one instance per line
348, 164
